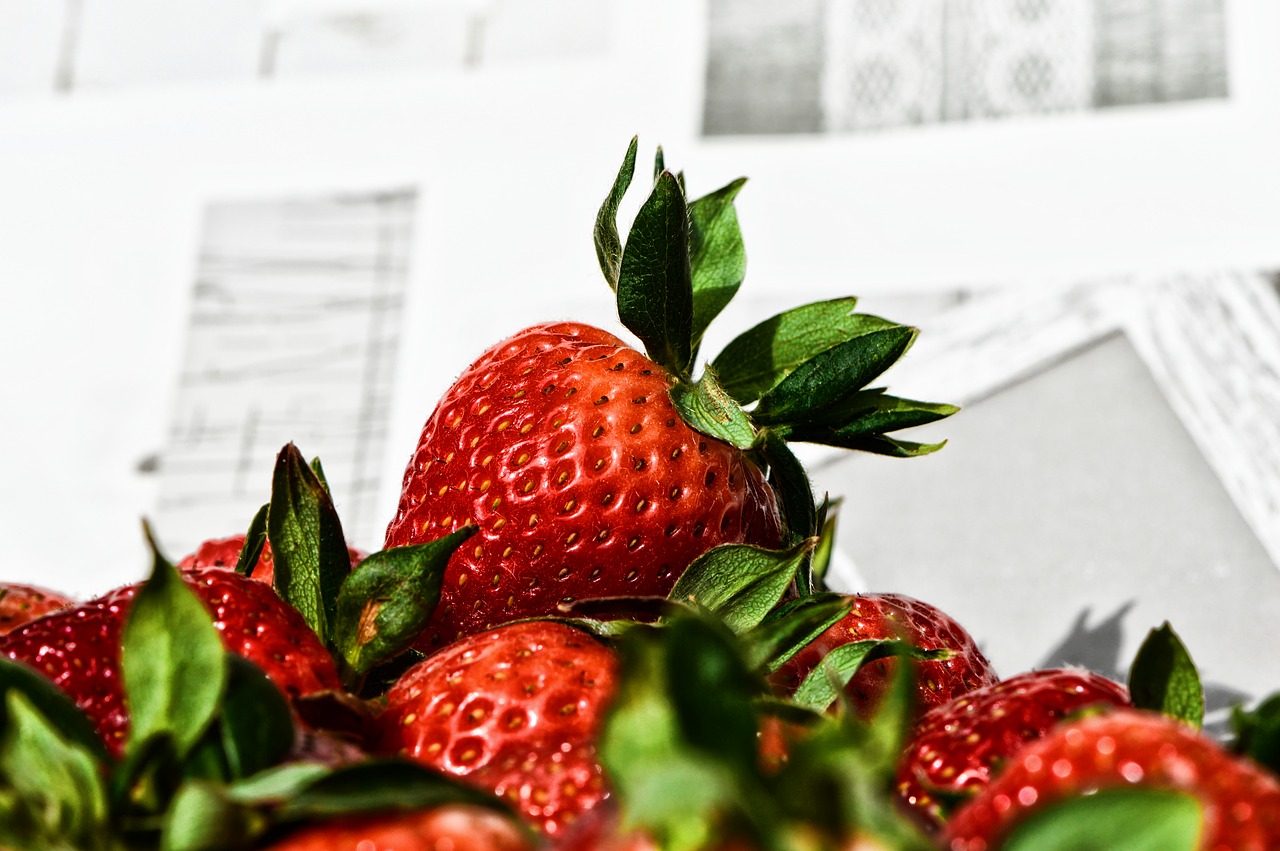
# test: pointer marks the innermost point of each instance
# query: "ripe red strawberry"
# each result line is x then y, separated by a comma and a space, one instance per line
21, 604
563, 446
456, 827
888, 616
225, 553
955, 749
79, 648
515, 710
1127, 748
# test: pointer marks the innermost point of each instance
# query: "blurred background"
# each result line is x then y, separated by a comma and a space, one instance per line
228, 224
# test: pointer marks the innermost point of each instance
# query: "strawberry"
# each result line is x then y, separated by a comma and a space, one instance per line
888, 616
21, 604
225, 552
456, 827
593, 470
79, 648
1127, 748
957, 748
514, 710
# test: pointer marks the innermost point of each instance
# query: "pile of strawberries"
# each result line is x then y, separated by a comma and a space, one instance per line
599, 621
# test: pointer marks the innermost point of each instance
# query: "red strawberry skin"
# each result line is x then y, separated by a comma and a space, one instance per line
21, 604
886, 616
1127, 748
515, 710
79, 648
956, 749
225, 553
563, 446
448, 828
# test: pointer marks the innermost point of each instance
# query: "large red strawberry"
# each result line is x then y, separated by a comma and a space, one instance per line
79, 648
515, 710
455, 827
593, 470
895, 616
1127, 748
225, 553
956, 749
21, 604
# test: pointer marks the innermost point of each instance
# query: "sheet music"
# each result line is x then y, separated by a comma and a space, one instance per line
294, 327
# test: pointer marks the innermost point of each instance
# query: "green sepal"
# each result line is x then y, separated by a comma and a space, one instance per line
705, 407
143, 783
868, 414
791, 627
1163, 678
55, 796
318, 469
52, 703
1256, 732
679, 738
608, 242
659, 163
387, 600
825, 683
255, 540
1120, 819
820, 565
717, 259
815, 389
759, 358
790, 482
310, 552
740, 583
655, 288
203, 817
883, 445
252, 731
172, 661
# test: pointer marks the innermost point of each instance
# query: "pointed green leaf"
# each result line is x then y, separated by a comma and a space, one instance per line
826, 522
204, 818
655, 290
815, 389
825, 683
277, 784
717, 258
1257, 732
1164, 679
755, 361
659, 163
387, 600
57, 783
51, 702
740, 583
318, 469
254, 726
876, 444
254, 541
608, 242
792, 627
790, 482
707, 408
384, 784
1123, 819
172, 662
310, 552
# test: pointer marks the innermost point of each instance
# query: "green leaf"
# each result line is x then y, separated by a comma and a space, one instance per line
57, 784
706, 407
255, 541
825, 683
172, 662
1257, 732
812, 393
755, 361
311, 558
655, 290
717, 258
659, 163
52, 703
1164, 679
277, 784
879, 445
867, 414
203, 817
318, 469
740, 583
387, 600
790, 482
608, 242
1123, 819
385, 784
826, 521
793, 626
254, 727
